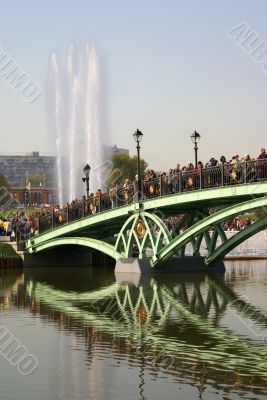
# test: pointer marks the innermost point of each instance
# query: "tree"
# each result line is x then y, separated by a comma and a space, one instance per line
39, 179
260, 213
125, 167
3, 181
5, 196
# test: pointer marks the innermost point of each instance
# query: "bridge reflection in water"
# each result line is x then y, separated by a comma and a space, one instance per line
165, 324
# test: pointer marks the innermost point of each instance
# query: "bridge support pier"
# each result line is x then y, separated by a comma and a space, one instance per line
175, 264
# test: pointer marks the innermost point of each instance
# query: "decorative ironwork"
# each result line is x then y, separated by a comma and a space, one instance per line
234, 175
190, 181
140, 229
151, 189
126, 195
223, 175
210, 221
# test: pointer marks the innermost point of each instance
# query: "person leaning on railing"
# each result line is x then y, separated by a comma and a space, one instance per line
153, 183
106, 200
176, 172
169, 181
262, 167
189, 176
236, 170
146, 183
262, 155
91, 204
247, 168
113, 195
98, 200
198, 177
163, 182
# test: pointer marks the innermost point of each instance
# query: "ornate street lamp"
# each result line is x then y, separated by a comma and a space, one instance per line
195, 137
86, 172
138, 138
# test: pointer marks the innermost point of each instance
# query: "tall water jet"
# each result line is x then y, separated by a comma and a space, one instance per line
73, 93
93, 136
56, 99
78, 113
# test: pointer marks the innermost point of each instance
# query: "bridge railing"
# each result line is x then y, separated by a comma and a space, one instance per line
184, 181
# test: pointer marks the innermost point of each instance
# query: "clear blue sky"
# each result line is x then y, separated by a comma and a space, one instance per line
169, 68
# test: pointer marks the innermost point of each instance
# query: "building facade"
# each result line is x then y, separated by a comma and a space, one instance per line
31, 177
18, 169
33, 196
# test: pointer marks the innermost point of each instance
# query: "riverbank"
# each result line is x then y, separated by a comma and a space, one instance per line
244, 258
9, 257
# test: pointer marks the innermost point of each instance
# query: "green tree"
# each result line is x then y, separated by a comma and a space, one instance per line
3, 181
5, 197
260, 213
125, 167
39, 179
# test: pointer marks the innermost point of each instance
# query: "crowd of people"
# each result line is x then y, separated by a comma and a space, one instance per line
236, 224
19, 226
22, 225
231, 225
235, 170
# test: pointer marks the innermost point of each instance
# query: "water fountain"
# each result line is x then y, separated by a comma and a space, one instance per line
76, 106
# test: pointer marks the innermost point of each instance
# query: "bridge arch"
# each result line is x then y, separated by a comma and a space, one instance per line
96, 231
138, 231
95, 244
167, 204
237, 239
205, 224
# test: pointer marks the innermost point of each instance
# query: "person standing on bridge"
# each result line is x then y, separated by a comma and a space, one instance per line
262, 155
175, 181
262, 168
98, 200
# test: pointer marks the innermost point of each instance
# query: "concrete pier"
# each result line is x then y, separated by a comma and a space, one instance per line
175, 264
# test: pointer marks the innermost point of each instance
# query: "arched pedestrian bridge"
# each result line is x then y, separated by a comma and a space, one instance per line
125, 225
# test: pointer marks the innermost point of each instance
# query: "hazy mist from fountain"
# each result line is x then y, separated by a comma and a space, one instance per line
78, 122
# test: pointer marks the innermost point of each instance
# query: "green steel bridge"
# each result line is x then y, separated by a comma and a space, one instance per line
125, 225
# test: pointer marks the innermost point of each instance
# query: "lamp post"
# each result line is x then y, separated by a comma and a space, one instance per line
86, 172
195, 137
138, 138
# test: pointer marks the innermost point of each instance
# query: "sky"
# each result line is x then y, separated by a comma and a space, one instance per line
169, 68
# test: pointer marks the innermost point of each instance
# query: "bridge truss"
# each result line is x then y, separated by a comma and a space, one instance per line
141, 229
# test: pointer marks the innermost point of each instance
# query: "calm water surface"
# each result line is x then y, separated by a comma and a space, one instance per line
97, 336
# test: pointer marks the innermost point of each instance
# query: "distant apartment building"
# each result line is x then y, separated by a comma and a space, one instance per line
18, 169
